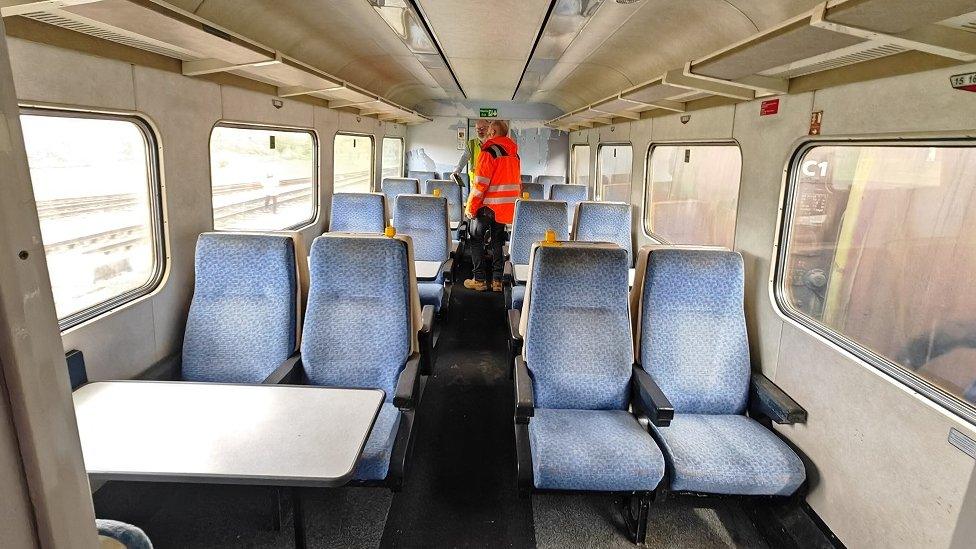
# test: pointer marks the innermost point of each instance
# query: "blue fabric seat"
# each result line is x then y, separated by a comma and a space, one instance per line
601, 450
571, 195
579, 353
547, 181
358, 213
421, 176
525, 178
452, 192
605, 222
393, 187
128, 535
243, 319
518, 296
537, 191
691, 330
466, 184
729, 454
531, 221
360, 327
425, 220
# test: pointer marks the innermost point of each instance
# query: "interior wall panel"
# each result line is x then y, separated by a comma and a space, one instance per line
243, 105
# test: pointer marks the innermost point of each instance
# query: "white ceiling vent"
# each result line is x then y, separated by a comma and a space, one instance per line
83, 25
857, 53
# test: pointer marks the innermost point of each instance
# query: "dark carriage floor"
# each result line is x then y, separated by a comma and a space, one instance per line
460, 487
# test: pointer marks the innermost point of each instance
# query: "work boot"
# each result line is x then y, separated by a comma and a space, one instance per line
496, 285
476, 285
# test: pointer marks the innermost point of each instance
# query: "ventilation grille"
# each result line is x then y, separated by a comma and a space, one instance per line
966, 22
90, 29
857, 54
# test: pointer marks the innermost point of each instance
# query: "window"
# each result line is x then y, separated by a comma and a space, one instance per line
353, 168
614, 164
692, 192
880, 254
263, 179
96, 185
392, 157
579, 168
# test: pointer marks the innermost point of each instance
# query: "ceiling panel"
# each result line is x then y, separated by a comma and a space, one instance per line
485, 41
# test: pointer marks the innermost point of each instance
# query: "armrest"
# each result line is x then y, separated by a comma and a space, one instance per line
524, 396
426, 337
408, 384
514, 319
651, 399
505, 250
427, 319
508, 275
767, 399
290, 372
447, 271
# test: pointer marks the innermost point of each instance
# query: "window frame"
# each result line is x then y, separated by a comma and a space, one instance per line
845, 344
572, 172
157, 225
372, 161
596, 180
403, 154
691, 143
316, 169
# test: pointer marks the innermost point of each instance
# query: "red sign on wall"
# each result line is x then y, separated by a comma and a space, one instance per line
768, 107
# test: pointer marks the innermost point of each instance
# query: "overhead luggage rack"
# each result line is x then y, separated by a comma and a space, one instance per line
835, 34
205, 48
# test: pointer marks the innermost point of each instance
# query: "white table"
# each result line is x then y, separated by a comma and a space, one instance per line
427, 270
273, 435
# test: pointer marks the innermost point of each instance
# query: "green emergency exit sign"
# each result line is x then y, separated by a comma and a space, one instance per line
488, 113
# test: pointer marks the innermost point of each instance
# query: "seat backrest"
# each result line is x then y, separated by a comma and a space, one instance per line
532, 219
690, 327
424, 219
243, 320
115, 534
547, 181
526, 178
422, 176
452, 192
395, 186
605, 222
576, 326
571, 194
537, 191
363, 311
358, 213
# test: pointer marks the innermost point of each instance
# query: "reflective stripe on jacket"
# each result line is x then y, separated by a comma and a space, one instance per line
497, 182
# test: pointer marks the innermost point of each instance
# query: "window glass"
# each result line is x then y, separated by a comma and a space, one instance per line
353, 156
692, 193
392, 157
263, 179
614, 165
97, 194
580, 165
881, 250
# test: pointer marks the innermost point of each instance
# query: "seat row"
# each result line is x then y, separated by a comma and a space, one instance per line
358, 323
647, 391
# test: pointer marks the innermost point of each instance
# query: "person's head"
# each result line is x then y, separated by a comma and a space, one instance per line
481, 127
497, 128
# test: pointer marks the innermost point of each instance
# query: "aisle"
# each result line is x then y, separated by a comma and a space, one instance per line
460, 488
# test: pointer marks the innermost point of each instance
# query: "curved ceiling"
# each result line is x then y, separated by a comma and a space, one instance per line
488, 44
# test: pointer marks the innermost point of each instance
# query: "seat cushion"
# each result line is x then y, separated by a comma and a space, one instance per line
431, 293
729, 454
518, 296
375, 461
597, 450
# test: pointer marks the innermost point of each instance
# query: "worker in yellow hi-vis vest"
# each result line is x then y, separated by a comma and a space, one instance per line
469, 160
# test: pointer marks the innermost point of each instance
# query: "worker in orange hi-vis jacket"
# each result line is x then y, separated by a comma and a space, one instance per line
496, 187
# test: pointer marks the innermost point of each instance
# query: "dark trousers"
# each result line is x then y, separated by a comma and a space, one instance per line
482, 253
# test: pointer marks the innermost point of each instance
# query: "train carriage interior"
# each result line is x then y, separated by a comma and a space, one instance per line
459, 273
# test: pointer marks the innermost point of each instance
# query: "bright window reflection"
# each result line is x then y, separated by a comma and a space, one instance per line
882, 250
263, 179
96, 195
392, 157
579, 169
692, 194
353, 163
614, 166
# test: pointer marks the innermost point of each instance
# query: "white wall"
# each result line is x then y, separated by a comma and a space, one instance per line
182, 111
881, 470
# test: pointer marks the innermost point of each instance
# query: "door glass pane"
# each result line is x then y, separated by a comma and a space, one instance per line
392, 157
580, 168
614, 167
693, 193
353, 157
